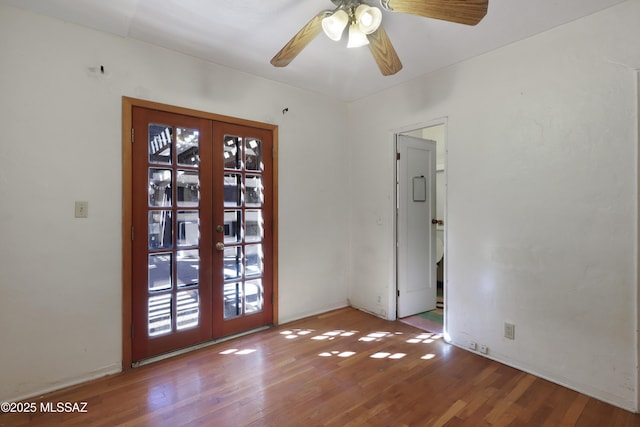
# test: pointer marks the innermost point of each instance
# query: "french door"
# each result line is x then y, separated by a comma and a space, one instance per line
202, 235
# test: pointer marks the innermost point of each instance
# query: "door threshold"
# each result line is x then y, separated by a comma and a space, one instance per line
164, 356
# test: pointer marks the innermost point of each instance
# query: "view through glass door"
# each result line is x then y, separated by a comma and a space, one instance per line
201, 237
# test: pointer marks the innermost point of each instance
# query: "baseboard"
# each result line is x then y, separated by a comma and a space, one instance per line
618, 401
298, 316
68, 382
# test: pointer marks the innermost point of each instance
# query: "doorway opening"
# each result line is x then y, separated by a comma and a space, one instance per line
432, 319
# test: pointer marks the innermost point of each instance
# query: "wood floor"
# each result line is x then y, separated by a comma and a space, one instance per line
344, 368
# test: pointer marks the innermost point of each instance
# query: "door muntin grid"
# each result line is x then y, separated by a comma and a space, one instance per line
243, 292
173, 294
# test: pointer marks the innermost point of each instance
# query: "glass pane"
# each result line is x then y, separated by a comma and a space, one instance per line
188, 268
232, 300
187, 309
188, 228
232, 193
253, 296
232, 229
253, 226
253, 153
159, 315
159, 276
253, 191
188, 147
188, 188
159, 187
232, 262
232, 152
160, 230
253, 260
160, 138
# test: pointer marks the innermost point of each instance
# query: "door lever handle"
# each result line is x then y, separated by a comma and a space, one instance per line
437, 222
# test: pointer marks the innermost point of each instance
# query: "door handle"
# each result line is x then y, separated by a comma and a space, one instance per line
437, 222
220, 246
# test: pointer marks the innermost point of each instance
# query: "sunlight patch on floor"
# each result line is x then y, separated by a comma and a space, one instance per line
333, 334
424, 338
337, 353
238, 352
385, 355
377, 336
295, 333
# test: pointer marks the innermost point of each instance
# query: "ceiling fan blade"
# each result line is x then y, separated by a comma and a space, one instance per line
384, 53
468, 12
299, 41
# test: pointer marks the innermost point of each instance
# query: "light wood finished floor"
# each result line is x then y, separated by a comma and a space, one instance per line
343, 368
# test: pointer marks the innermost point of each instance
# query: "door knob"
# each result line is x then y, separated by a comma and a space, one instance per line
219, 229
219, 246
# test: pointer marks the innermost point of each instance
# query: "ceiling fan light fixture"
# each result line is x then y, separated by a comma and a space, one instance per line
368, 18
334, 25
356, 37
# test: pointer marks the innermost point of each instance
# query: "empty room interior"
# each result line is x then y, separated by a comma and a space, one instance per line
164, 187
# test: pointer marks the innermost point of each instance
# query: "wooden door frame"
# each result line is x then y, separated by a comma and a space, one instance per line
127, 205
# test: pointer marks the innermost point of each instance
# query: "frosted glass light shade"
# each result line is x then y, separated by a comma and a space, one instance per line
334, 25
368, 18
356, 37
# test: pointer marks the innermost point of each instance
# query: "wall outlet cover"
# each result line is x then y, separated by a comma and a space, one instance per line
81, 209
509, 331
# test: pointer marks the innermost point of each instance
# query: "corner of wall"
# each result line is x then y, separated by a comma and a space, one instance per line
637, 290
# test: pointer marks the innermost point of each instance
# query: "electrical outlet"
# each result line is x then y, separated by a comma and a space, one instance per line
82, 209
509, 331
483, 349
473, 345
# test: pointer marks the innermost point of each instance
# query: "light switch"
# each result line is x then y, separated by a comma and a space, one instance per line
82, 209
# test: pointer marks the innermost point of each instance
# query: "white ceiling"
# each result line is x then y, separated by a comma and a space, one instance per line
246, 34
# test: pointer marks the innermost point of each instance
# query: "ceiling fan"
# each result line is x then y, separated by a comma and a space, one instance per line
365, 27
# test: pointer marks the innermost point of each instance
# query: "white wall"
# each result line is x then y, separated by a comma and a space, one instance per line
542, 200
61, 278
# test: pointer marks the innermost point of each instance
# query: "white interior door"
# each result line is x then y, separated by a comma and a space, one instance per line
416, 245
